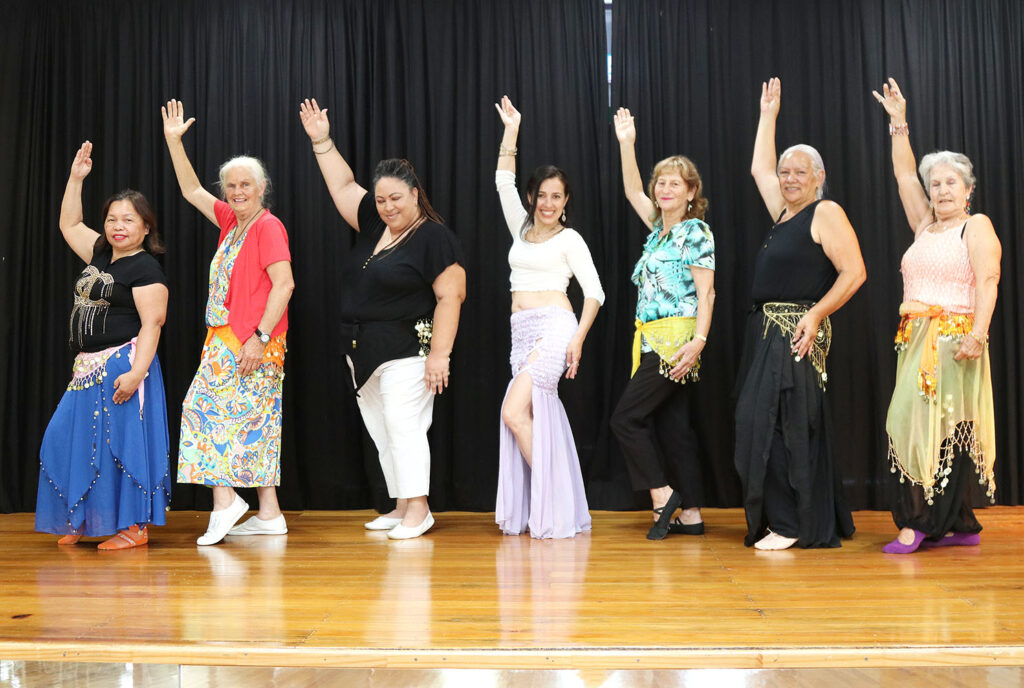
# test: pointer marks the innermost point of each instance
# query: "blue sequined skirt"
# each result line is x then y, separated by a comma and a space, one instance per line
104, 466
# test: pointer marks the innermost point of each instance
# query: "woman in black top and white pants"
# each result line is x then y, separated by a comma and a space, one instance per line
806, 268
403, 288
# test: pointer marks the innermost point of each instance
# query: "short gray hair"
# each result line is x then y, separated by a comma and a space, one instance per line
253, 166
960, 163
817, 164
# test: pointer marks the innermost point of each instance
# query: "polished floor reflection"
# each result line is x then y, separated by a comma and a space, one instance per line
332, 594
83, 675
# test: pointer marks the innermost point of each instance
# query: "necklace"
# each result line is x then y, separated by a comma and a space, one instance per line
945, 225
395, 240
537, 239
237, 234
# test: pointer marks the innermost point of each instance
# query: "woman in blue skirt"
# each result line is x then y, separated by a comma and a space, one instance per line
104, 458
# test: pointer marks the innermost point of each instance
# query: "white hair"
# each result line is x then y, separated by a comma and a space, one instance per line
251, 165
816, 162
960, 163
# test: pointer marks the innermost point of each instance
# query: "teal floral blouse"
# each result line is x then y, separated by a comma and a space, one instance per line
662, 275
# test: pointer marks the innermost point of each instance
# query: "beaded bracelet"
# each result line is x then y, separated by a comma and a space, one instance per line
507, 151
321, 140
899, 129
980, 338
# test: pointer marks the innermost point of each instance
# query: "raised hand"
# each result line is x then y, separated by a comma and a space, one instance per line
893, 101
174, 119
314, 120
625, 129
510, 117
82, 165
771, 97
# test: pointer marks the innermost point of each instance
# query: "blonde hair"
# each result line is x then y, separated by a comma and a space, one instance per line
684, 167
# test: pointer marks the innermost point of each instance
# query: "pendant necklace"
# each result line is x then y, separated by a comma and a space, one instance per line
395, 240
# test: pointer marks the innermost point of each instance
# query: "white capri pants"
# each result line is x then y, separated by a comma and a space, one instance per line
397, 409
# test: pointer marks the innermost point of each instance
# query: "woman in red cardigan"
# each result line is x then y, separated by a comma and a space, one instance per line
231, 416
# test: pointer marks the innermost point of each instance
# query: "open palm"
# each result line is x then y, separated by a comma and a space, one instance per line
314, 120
174, 119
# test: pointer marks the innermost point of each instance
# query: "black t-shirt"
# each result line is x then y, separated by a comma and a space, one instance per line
104, 313
789, 266
382, 299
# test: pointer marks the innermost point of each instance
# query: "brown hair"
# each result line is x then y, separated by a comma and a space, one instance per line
539, 176
684, 167
152, 243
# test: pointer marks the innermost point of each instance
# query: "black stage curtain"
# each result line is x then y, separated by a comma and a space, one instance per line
417, 79
691, 72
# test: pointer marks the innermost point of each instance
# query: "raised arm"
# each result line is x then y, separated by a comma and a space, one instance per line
174, 127
764, 166
632, 182
904, 166
511, 118
505, 173
78, 236
341, 182
832, 229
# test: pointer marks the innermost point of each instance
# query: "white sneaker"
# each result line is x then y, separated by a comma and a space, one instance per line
257, 526
221, 522
401, 532
382, 523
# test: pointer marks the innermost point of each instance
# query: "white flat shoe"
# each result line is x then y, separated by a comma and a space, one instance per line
401, 532
257, 526
221, 522
382, 523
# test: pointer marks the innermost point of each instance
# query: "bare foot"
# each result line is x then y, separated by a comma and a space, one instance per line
907, 536
690, 517
774, 542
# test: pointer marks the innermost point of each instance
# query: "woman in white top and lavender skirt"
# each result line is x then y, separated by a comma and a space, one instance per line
540, 486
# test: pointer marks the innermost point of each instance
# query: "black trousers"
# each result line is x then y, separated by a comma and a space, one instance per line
949, 512
652, 424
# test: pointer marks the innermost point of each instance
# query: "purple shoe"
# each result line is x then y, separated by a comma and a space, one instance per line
897, 547
956, 539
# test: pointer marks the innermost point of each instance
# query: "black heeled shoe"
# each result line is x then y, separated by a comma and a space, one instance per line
677, 527
660, 529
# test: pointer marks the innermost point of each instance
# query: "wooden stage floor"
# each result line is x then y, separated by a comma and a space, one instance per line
330, 594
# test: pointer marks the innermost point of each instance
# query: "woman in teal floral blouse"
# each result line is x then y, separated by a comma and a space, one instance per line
675, 278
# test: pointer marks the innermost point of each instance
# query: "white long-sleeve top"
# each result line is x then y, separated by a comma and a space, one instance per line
546, 266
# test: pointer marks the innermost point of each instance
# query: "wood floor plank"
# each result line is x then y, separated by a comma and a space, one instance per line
331, 593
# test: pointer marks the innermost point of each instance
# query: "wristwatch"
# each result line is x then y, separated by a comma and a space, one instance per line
263, 336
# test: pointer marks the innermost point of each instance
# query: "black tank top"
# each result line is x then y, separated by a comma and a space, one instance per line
789, 265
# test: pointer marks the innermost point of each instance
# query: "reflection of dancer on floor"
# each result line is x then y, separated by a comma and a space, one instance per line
941, 419
540, 485
675, 279
103, 461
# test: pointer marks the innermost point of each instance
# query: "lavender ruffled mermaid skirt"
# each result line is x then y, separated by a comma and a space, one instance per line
549, 498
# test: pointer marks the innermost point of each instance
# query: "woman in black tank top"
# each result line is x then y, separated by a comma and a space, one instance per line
808, 265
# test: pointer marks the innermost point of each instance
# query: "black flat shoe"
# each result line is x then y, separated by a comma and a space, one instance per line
660, 529
677, 527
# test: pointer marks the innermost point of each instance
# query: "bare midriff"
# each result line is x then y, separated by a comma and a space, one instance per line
525, 300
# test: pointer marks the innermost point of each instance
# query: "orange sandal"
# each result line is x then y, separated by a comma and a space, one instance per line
69, 539
127, 539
